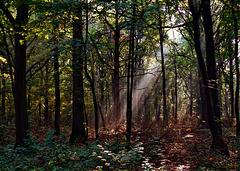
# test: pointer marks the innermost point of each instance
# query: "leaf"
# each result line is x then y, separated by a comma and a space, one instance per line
46, 37
170, 125
188, 129
21, 42
3, 59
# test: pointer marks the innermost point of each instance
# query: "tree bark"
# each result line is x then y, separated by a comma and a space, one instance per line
211, 61
231, 78
165, 116
191, 95
3, 107
46, 109
203, 100
116, 91
78, 134
20, 75
130, 78
57, 90
176, 92
237, 70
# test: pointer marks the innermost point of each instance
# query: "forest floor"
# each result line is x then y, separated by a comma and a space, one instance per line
185, 146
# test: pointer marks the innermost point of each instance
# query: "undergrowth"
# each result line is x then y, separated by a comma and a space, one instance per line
175, 148
56, 155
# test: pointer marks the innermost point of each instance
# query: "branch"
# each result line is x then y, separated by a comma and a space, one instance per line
38, 68
7, 13
99, 55
176, 26
110, 25
163, 27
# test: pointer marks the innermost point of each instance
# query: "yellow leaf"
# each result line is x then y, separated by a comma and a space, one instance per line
46, 37
170, 125
3, 59
21, 42
5, 75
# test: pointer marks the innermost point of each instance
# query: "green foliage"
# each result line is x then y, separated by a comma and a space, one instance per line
53, 155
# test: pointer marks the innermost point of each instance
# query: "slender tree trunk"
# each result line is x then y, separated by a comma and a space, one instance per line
231, 81
130, 79
165, 116
237, 69
3, 107
160, 30
156, 103
46, 109
91, 80
116, 90
191, 95
29, 97
78, 126
176, 92
57, 90
101, 105
40, 101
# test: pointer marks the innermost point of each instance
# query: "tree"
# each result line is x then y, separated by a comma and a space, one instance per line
211, 62
130, 75
78, 129
237, 71
161, 33
57, 85
216, 137
20, 99
116, 89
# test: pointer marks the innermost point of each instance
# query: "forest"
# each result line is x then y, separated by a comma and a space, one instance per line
119, 85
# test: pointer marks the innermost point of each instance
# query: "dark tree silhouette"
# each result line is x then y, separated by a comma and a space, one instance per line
78, 129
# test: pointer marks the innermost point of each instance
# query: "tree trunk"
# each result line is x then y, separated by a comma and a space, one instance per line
130, 79
57, 90
29, 97
20, 76
211, 62
176, 92
237, 70
191, 95
3, 107
116, 91
78, 134
160, 30
203, 100
40, 101
157, 99
231, 78
46, 109
216, 137
165, 116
